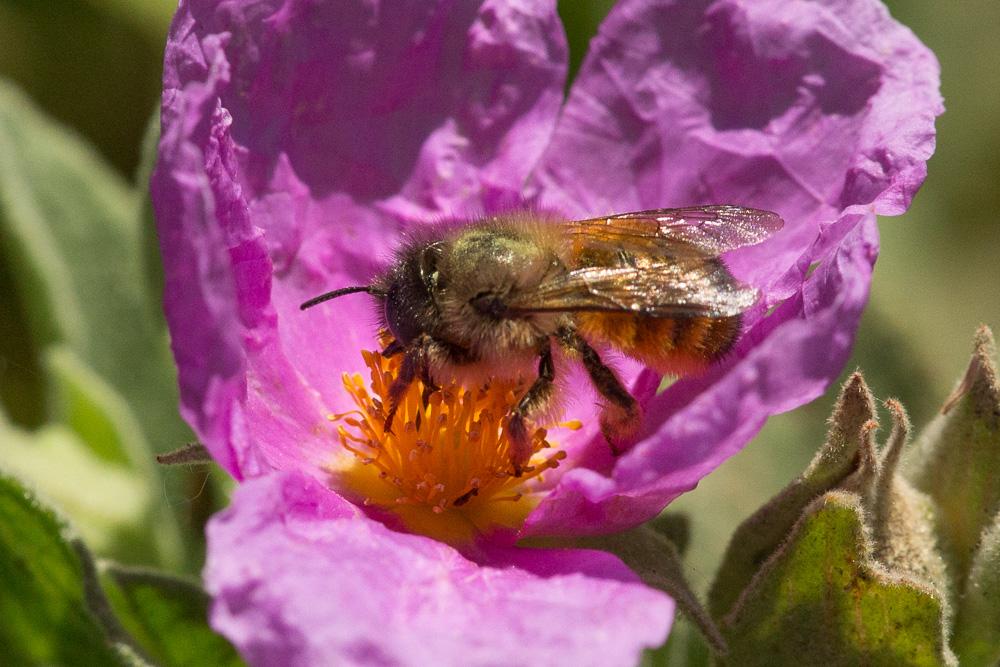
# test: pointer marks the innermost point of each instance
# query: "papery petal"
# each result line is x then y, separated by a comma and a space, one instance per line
288, 166
784, 361
800, 107
302, 577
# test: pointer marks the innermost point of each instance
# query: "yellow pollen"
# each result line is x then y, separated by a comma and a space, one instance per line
445, 451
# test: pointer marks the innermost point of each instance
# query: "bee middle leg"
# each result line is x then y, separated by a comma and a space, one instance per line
621, 417
535, 399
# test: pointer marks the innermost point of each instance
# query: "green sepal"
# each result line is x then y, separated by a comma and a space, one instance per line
821, 599
977, 625
52, 605
757, 537
902, 518
957, 458
168, 616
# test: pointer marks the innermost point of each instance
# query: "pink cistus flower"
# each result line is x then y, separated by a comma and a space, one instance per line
302, 140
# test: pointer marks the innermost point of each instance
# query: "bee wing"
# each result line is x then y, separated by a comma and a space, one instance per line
710, 230
683, 287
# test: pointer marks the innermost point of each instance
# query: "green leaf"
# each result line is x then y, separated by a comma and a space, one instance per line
757, 537
977, 627
956, 459
72, 236
822, 600
581, 19
94, 411
103, 498
52, 609
168, 616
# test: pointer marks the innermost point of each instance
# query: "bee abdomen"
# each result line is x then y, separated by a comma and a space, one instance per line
668, 344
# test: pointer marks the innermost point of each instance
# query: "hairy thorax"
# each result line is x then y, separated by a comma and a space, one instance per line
478, 274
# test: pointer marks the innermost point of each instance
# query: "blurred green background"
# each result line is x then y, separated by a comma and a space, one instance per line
83, 350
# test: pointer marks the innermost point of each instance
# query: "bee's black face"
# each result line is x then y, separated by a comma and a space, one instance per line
409, 305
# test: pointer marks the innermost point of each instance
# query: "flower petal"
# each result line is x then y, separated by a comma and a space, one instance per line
800, 107
301, 577
288, 167
785, 360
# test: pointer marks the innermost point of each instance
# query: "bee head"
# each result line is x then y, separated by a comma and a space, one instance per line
410, 308
406, 293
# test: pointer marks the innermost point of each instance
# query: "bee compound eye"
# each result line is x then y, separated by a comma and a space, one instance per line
429, 258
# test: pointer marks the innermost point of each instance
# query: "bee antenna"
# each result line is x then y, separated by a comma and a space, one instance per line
370, 289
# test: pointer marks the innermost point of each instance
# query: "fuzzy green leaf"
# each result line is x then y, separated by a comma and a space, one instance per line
821, 600
977, 627
105, 499
94, 462
762, 533
63, 215
956, 459
51, 605
168, 616
72, 237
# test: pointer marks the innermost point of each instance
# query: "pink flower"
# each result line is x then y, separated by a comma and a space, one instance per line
302, 138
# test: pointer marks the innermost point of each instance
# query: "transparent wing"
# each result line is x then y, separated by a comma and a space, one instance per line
671, 232
685, 287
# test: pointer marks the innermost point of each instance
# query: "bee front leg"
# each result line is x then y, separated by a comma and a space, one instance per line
535, 399
621, 417
414, 363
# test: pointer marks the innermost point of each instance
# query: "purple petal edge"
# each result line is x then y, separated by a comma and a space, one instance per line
419, 111
786, 360
301, 577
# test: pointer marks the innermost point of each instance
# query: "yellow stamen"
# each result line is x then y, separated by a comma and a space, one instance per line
450, 455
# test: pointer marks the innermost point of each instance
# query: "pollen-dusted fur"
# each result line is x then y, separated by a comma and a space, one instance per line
508, 295
450, 281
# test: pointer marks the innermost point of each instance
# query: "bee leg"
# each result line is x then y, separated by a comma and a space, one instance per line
621, 417
534, 399
413, 362
393, 348
429, 386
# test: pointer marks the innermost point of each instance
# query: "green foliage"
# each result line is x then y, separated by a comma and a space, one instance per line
57, 609
762, 533
822, 600
167, 615
44, 567
956, 462
73, 233
107, 500
957, 459
977, 628
876, 569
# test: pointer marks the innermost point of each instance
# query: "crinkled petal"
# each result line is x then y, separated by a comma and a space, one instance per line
298, 138
822, 112
784, 361
799, 107
302, 577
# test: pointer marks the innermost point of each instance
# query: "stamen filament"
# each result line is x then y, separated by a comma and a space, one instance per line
450, 452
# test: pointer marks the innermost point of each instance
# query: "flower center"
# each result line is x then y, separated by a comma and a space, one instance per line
447, 451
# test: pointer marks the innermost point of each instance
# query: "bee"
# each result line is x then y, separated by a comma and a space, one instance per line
493, 297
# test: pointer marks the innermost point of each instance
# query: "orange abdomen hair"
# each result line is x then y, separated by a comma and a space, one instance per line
670, 345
